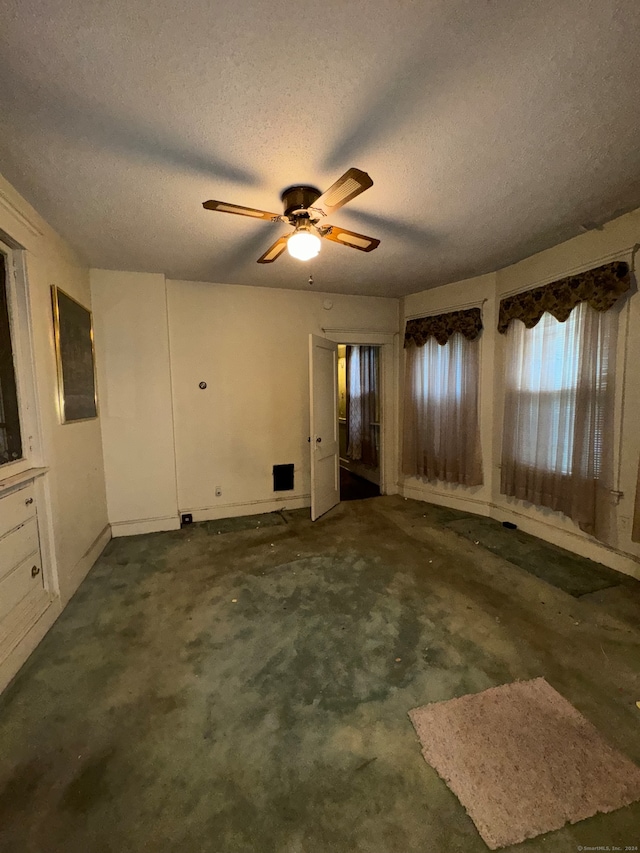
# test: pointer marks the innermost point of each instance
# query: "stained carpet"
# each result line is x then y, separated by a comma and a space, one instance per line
248, 692
523, 761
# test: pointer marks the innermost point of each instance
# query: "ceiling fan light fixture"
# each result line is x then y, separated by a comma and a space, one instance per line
304, 207
304, 244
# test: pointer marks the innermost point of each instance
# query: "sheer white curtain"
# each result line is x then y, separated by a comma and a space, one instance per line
557, 432
441, 439
363, 404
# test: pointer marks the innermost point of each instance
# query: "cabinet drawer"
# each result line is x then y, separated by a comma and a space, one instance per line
16, 508
17, 545
19, 583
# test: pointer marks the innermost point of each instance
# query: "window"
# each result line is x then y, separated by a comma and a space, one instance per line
441, 436
546, 378
10, 437
558, 385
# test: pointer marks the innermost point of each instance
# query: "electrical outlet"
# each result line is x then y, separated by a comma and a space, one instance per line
218, 492
186, 518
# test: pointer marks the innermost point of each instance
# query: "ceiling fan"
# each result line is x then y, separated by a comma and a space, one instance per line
304, 207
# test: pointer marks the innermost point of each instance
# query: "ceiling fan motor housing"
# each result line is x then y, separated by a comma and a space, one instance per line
299, 198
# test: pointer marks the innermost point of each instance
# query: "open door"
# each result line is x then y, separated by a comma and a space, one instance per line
323, 395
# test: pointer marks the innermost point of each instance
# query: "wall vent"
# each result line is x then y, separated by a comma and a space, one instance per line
282, 478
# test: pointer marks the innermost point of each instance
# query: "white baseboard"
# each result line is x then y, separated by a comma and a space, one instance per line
461, 502
233, 510
144, 525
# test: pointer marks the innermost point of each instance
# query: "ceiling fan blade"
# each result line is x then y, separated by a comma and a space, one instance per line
225, 207
350, 238
273, 252
346, 188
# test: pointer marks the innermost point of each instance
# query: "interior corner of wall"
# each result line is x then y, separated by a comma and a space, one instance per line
71, 580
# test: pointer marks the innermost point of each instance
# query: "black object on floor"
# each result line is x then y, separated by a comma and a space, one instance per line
355, 488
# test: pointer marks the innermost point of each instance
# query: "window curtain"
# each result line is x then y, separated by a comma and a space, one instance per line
600, 287
441, 326
363, 408
557, 416
441, 439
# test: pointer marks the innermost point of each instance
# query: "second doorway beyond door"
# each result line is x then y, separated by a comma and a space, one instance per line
359, 413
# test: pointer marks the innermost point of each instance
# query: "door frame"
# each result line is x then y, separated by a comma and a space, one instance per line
388, 343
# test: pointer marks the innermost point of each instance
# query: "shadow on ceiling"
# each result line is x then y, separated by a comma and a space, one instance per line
393, 227
71, 116
453, 48
387, 109
248, 249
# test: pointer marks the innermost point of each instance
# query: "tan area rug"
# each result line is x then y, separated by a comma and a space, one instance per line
523, 761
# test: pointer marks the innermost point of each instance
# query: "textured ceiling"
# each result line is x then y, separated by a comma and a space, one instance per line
491, 128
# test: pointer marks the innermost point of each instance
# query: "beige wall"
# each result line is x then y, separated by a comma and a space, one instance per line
134, 382
250, 345
76, 512
615, 239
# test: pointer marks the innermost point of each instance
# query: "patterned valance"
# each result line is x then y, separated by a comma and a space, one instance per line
442, 326
600, 287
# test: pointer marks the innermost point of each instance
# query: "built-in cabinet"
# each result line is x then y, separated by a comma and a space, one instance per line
23, 593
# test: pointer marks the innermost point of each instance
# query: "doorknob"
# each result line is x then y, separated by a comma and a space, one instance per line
35, 570
318, 439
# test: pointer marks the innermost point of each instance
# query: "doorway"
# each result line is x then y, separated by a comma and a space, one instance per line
359, 421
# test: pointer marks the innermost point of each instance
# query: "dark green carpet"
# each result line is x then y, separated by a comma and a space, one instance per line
569, 572
248, 692
243, 522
